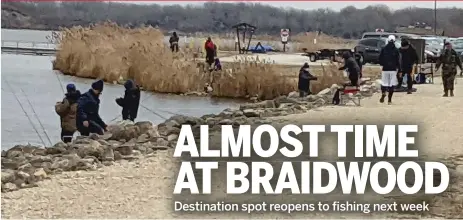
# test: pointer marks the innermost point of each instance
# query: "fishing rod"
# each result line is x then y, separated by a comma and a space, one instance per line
27, 115
60, 83
36, 116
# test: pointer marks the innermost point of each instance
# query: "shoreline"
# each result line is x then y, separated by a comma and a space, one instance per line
25, 165
133, 183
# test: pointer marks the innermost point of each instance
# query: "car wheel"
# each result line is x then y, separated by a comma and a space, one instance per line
312, 58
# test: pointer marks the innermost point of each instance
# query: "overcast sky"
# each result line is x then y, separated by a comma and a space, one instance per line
335, 5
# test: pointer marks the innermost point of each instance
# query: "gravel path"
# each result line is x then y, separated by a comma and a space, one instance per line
143, 188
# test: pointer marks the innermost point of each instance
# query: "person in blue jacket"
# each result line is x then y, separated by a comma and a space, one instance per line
130, 102
88, 119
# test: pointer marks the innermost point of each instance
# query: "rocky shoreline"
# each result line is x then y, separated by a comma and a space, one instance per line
25, 165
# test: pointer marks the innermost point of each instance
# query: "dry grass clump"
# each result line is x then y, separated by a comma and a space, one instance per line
113, 53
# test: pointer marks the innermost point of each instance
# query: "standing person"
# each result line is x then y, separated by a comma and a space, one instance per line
449, 60
88, 119
408, 59
389, 59
352, 68
174, 42
304, 80
67, 110
130, 102
210, 52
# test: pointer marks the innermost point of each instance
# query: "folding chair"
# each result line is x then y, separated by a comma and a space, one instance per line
349, 93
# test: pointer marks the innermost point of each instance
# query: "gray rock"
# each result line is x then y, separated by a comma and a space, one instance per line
8, 187
251, 113
125, 149
8, 176
226, 122
172, 137
143, 138
108, 154
162, 142
144, 126
94, 148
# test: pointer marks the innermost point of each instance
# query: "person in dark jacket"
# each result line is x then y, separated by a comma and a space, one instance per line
210, 48
304, 80
408, 59
389, 59
130, 102
173, 41
88, 119
352, 68
67, 110
358, 59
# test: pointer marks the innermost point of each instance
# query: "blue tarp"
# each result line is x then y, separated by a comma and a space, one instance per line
260, 49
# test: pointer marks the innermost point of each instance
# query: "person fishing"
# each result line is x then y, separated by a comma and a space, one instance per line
352, 68
130, 102
67, 110
88, 119
210, 48
304, 80
173, 41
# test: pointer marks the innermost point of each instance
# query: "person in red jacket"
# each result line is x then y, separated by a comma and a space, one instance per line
210, 51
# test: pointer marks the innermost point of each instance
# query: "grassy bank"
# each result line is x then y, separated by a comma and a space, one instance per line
113, 53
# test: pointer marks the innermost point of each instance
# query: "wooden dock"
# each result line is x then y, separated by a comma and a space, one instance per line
29, 48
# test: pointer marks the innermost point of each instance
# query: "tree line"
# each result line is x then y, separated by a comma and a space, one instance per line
349, 22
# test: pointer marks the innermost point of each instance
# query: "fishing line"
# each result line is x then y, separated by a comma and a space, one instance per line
60, 83
27, 115
36, 116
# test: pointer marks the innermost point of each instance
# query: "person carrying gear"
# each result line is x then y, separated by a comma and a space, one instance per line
210, 52
304, 80
408, 59
352, 68
130, 102
173, 41
88, 119
67, 110
449, 60
389, 59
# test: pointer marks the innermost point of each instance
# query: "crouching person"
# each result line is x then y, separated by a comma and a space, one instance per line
130, 102
88, 119
67, 110
304, 80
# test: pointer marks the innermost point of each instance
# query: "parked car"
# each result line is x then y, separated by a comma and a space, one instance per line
458, 47
370, 48
386, 34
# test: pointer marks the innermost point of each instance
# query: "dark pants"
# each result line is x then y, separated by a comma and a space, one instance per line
126, 115
354, 80
66, 136
409, 79
93, 127
174, 47
448, 80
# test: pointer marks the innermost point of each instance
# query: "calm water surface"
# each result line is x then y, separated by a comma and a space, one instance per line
29, 82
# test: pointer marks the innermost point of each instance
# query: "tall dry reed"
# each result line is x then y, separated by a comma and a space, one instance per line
113, 53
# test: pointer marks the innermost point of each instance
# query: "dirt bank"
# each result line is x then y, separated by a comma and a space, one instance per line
115, 53
143, 188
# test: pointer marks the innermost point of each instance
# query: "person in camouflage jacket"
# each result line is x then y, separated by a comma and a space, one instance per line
449, 60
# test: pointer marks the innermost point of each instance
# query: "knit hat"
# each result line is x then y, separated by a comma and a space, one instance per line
98, 85
70, 87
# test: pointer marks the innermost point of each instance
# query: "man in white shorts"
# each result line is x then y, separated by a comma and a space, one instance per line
389, 59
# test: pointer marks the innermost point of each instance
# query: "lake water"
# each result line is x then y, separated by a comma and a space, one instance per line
29, 83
